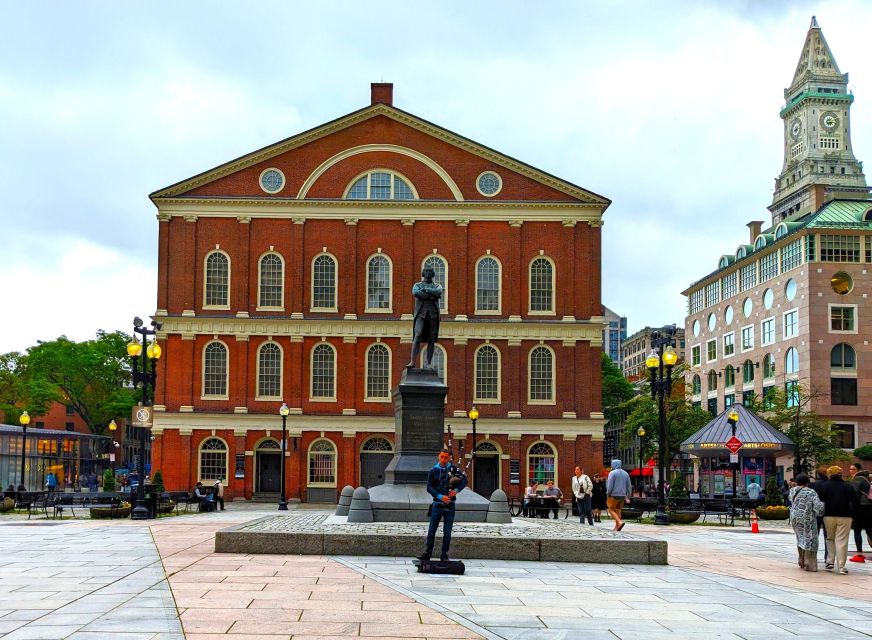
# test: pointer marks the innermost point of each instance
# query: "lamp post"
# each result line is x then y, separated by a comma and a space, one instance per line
660, 362
114, 445
473, 416
23, 420
283, 412
145, 377
733, 420
641, 433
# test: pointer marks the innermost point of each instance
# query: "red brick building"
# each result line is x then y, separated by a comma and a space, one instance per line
285, 276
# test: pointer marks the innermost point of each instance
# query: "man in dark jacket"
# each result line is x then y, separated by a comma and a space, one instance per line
863, 514
840, 503
444, 483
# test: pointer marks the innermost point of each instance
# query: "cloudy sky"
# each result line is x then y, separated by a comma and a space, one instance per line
668, 108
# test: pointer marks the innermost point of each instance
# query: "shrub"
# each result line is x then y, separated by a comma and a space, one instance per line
158, 483
108, 480
864, 453
773, 493
677, 489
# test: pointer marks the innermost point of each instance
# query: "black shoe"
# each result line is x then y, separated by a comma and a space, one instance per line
424, 557
444, 558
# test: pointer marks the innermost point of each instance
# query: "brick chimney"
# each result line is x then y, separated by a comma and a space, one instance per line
755, 226
382, 92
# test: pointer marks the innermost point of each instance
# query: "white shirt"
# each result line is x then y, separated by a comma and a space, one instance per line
582, 486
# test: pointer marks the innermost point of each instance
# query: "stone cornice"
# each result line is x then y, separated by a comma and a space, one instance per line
590, 331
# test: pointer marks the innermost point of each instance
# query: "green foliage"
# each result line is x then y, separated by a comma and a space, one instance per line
773, 493
158, 482
677, 488
92, 377
616, 388
108, 480
864, 453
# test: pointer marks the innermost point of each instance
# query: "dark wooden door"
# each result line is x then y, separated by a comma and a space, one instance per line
372, 468
486, 478
268, 472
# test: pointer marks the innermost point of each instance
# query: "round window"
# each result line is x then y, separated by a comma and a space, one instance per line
790, 290
768, 298
712, 322
747, 307
489, 184
842, 283
695, 328
272, 180
728, 315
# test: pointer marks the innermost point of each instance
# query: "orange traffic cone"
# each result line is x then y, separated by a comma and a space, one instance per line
754, 527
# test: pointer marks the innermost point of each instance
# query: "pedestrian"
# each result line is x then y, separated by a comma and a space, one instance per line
51, 482
582, 490
552, 496
840, 503
817, 485
754, 490
618, 488
863, 516
598, 499
806, 507
219, 493
444, 482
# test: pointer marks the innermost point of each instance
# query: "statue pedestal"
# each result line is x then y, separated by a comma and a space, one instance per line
419, 413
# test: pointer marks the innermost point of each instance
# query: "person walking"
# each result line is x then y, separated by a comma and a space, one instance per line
598, 499
444, 482
817, 485
863, 515
618, 489
51, 482
840, 503
805, 508
754, 490
582, 489
219, 493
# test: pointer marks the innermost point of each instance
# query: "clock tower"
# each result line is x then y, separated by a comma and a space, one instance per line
819, 163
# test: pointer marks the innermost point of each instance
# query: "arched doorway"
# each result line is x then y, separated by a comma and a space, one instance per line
268, 461
375, 454
486, 478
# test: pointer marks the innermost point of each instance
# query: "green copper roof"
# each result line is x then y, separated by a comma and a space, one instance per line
841, 214
841, 97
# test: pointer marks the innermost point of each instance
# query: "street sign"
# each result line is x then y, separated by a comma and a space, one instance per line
734, 458
141, 416
734, 444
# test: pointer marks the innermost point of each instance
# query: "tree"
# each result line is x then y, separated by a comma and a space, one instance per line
92, 377
158, 482
108, 480
677, 488
773, 493
616, 388
16, 394
864, 452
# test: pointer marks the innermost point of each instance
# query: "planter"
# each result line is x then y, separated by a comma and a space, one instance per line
773, 513
8, 504
104, 513
684, 517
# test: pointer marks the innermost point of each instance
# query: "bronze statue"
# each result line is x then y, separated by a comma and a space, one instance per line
426, 321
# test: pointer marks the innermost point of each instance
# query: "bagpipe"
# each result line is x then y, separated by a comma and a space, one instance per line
457, 473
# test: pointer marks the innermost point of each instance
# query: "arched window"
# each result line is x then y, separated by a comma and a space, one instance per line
729, 376
381, 185
215, 370
269, 371
741, 252
324, 283
213, 460
542, 463
791, 361
487, 448
440, 268
322, 464
268, 445
378, 283
541, 286
541, 375
271, 285
324, 372
780, 231
487, 374
439, 359
216, 284
696, 385
712, 381
378, 372
748, 372
843, 357
377, 445
768, 366
487, 285
760, 242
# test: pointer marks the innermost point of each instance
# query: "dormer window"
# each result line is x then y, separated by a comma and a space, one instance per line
724, 262
868, 216
780, 231
741, 253
759, 243
380, 185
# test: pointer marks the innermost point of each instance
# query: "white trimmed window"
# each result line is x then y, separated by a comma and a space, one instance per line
729, 344
487, 285
322, 464
767, 331
381, 185
323, 386
747, 338
541, 375
487, 374
768, 366
791, 323
271, 282
843, 358
378, 283
269, 371
711, 348
216, 284
695, 358
324, 283
712, 381
791, 361
747, 372
843, 318
440, 268
729, 377
541, 286
541, 463
378, 372
213, 460
215, 370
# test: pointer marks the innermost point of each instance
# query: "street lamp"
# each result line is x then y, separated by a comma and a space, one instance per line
112, 428
23, 420
660, 362
145, 377
733, 420
473, 416
283, 412
641, 433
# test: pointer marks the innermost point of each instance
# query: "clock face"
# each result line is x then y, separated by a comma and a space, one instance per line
829, 120
796, 128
